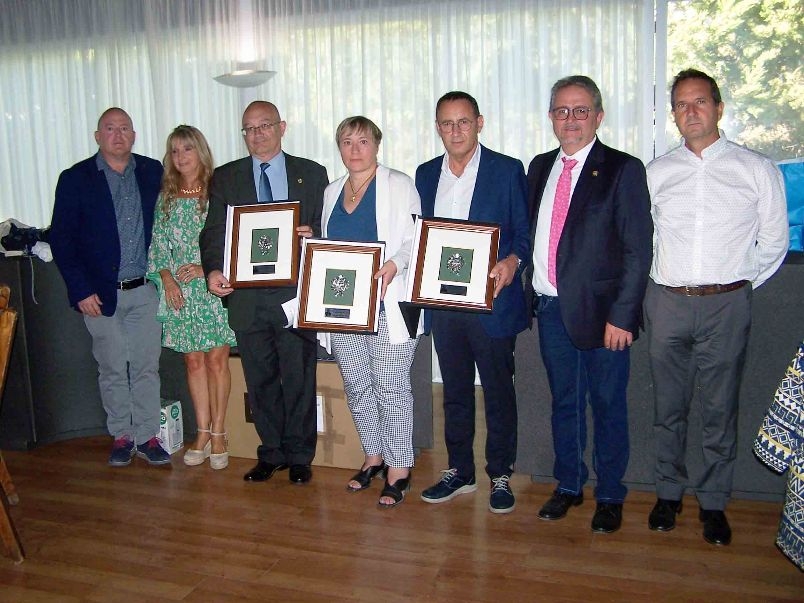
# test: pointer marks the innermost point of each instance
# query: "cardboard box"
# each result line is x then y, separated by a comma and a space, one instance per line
338, 442
171, 428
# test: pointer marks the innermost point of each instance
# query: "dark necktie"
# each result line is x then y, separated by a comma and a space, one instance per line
266, 196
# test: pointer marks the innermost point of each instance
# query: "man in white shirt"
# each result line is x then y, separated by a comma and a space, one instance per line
720, 231
472, 182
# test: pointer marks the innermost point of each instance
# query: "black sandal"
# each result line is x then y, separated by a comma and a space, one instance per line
396, 491
364, 476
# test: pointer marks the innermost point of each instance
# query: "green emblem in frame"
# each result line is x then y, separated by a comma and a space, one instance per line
264, 245
455, 265
339, 288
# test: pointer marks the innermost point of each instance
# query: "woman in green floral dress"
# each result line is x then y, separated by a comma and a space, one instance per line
194, 321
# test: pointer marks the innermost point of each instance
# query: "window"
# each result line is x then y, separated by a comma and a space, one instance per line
753, 50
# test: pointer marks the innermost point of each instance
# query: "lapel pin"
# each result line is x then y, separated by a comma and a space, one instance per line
300, 181
594, 173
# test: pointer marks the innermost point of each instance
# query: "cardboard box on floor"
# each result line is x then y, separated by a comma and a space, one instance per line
338, 443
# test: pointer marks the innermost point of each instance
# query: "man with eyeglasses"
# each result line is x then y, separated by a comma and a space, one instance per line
473, 182
720, 216
279, 364
591, 231
101, 229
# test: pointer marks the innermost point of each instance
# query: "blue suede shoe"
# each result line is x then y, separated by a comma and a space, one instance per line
153, 452
450, 486
501, 499
122, 452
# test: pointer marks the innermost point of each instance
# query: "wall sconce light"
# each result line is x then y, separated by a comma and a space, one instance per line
247, 75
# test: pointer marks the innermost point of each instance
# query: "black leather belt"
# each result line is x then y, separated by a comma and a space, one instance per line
707, 289
131, 283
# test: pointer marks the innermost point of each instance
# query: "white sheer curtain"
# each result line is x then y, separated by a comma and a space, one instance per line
62, 62
392, 60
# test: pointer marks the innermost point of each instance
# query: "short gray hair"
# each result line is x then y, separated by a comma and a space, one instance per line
578, 80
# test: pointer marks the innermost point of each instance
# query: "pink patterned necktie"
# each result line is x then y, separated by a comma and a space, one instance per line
560, 209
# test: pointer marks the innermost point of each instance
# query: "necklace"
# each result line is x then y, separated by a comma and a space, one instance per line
360, 188
190, 191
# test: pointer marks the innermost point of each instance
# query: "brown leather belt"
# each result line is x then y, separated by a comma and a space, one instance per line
697, 290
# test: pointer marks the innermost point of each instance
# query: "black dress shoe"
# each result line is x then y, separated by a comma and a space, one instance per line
263, 471
559, 504
608, 517
300, 474
663, 516
716, 528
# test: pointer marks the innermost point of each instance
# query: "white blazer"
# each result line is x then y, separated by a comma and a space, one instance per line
397, 202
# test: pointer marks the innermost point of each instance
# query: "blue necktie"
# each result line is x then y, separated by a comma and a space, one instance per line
266, 196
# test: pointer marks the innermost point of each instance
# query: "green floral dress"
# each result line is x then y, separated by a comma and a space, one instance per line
202, 323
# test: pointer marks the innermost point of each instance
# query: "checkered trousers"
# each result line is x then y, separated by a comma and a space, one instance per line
376, 379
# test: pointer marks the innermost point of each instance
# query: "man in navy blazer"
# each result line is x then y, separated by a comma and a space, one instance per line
100, 233
586, 284
472, 182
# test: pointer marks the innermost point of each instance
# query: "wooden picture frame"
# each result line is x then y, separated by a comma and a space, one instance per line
262, 245
450, 264
337, 290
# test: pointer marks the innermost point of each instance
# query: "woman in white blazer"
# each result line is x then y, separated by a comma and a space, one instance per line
375, 203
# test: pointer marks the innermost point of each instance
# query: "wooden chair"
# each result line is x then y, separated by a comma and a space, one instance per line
11, 540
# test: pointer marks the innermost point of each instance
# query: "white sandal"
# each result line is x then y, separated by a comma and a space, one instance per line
220, 460
194, 457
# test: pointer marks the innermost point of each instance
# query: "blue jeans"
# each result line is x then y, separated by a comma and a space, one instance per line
575, 376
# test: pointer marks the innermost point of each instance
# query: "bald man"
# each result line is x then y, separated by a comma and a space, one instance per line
279, 364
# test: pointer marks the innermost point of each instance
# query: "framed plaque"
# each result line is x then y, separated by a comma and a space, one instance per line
262, 246
337, 290
450, 264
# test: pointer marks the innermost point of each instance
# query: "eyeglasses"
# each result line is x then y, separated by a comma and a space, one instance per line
252, 131
579, 113
463, 125
124, 130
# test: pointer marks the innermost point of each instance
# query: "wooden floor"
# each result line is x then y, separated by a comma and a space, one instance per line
94, 533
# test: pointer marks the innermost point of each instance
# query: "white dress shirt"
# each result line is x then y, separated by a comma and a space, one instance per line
718, 218
541, 242
454, 194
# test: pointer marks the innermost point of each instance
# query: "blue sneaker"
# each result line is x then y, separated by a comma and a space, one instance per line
122, 452
153, 452
501, 499
450, 486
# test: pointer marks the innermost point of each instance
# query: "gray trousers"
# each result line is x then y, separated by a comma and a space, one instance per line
127, 347
701, 338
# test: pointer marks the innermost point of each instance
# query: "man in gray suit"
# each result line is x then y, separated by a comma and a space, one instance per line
279, 364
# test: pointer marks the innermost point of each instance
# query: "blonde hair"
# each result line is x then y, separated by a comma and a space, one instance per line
171, 179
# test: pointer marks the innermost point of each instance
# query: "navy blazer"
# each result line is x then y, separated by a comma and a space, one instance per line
83, 235
606, 247
233, 184
500, 196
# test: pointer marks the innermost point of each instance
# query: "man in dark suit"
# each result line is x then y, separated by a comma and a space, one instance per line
279, 364
101, 229
472, 182
592, 243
